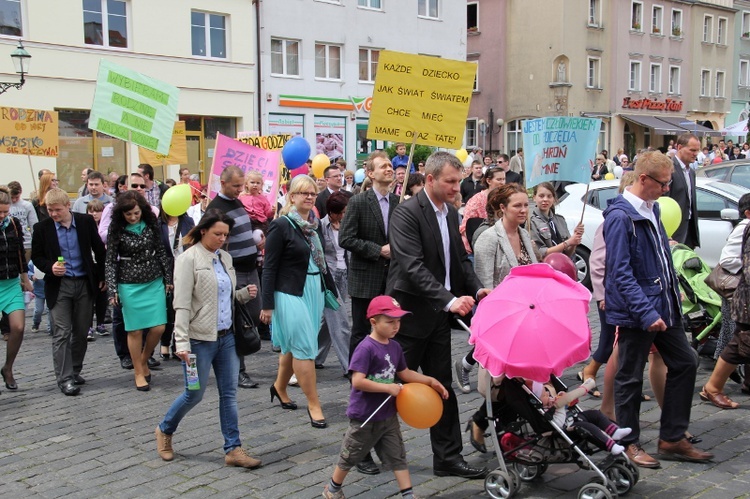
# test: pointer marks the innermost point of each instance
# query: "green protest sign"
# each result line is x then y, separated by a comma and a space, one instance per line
132, 106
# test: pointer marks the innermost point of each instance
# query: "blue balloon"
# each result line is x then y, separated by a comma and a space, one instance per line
295, 152
359, 176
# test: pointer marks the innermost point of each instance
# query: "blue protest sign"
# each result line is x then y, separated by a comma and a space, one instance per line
560, 148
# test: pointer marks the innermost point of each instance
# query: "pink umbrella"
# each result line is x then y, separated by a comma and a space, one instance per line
532, 325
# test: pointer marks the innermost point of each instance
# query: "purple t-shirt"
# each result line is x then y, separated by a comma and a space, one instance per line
379, 363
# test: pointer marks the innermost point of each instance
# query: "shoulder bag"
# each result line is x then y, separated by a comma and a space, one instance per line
723, 282
246, 337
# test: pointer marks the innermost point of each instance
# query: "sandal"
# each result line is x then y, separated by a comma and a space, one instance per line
720, 400
595, 391
645, 398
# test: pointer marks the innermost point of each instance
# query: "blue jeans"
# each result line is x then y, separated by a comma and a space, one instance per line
222, 356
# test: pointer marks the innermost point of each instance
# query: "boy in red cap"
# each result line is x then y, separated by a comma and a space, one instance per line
374, 365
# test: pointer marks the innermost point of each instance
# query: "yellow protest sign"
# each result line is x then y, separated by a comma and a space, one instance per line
177, 150
420, 94
28, 131
266, 141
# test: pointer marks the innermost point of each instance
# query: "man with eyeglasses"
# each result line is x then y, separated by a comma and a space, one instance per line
503, 161
643, 302
334, 182
683, 189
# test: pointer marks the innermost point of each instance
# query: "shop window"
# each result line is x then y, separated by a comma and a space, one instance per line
10, 18
105, 23
209, 34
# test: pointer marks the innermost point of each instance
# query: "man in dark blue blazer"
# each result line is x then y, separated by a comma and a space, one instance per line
432, 277
69, 285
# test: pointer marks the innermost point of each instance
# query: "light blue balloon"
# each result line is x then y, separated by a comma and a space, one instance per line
359, 176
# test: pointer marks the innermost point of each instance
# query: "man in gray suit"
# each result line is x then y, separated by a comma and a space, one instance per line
364, 233
682, 189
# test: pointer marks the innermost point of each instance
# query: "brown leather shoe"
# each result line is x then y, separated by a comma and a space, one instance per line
639, 457
719, 399
682, 451
238, 457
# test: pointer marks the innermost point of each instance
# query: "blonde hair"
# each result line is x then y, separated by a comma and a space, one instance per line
254, 174
4, 194
628, 179
45, 184
57, 196
298, 184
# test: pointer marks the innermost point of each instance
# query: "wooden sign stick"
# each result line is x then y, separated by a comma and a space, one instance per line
408, 167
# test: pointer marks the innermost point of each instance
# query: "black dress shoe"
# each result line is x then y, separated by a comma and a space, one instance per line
153, 363
284, 405
69, 388
245, 381
78, 380
319, 366
367, 466
460, 468
126, 363
317, 423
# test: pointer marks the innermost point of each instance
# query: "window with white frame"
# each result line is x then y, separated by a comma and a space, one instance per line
719, 86
657, 18
208, 34
634, 82
105, 22
674, 80
513, 136
676, 26
370, 4
595, 14
744, 73
654, 78
327, 61
721, 31
708, 27
285, 57
10, 18
428, 8
472, 16
745, 31
593, 73
368, 64
636, 15
471, 133
705, 83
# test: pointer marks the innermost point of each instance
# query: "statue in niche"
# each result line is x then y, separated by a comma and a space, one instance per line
561, 70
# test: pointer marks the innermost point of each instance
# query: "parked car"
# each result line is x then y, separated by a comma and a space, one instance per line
736, 171
717, 215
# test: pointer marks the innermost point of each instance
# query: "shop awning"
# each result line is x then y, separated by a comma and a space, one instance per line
691, 126
658, 126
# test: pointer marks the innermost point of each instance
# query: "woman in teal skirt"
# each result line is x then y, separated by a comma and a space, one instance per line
14, 281
139, 275
294, 281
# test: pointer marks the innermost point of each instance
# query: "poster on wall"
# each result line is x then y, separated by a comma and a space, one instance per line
329, 136
286, 124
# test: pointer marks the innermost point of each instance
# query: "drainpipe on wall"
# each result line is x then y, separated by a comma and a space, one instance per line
258, 93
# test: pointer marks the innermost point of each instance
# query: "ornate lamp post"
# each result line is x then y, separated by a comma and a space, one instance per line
21, 61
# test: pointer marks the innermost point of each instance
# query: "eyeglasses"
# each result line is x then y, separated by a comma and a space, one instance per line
662, 184
137, 186
308, 194
55, 180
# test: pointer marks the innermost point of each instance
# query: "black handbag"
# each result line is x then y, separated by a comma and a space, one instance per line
246, 337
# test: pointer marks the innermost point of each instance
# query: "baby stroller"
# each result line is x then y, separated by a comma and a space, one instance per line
526, 437
701, 305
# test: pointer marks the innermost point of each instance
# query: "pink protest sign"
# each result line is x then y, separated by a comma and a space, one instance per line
230, 152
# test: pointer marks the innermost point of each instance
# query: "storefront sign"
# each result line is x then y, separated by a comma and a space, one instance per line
286, 124
135, 107
560, 148
329, 136
177, 150
28, 131
652, 105
351, 104
230, 152
422, 96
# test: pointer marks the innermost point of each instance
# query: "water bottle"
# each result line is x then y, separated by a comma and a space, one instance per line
192, 373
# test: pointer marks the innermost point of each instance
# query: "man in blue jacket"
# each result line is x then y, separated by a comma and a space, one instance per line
642, 299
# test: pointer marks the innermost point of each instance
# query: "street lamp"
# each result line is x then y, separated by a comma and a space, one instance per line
492, 126
21, 60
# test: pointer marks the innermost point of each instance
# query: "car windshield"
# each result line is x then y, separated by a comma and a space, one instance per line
735, 191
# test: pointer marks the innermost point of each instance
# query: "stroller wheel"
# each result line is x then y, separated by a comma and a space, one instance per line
621, 477
594, 491
499, 485
529, 472
516, 477
631, 467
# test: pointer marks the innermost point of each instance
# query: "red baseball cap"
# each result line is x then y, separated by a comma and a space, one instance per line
385, 305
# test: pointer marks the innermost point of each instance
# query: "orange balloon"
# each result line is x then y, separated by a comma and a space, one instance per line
319, 164
419, 405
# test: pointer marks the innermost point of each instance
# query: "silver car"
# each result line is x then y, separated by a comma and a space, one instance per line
717, 216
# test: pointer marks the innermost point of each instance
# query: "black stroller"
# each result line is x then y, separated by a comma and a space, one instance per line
525, 435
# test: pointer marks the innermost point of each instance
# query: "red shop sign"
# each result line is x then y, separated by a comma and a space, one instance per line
652, 105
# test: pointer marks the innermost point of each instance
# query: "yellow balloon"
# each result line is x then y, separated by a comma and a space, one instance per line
319, 164
461, 154
609, 176
671, 214
176, 200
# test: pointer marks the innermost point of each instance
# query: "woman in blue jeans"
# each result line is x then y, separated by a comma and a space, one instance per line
203, 303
